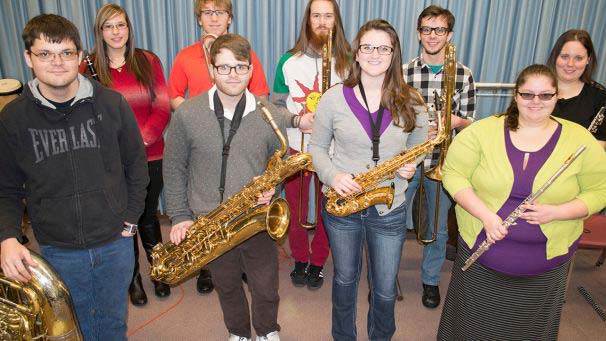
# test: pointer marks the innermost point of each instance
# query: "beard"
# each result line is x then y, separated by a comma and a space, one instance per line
317, 41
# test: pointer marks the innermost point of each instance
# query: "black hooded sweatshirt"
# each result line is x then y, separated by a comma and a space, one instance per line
83, 173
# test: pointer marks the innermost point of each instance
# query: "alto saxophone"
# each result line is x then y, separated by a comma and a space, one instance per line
371, 195
40, 309
232, 222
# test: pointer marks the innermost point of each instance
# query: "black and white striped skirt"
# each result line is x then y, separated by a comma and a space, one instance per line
482, 304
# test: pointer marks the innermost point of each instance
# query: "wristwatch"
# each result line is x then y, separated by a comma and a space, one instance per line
130, 228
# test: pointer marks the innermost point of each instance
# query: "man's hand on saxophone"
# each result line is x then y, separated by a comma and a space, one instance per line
306, 123
178, 231
265, 197
407, 171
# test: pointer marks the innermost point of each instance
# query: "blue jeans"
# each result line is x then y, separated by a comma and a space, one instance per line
98, 280
433, 253
384, 237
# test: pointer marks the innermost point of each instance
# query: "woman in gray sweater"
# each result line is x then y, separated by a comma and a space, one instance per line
372, 116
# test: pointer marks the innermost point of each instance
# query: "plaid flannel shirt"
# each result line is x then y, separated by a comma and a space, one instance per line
421, 77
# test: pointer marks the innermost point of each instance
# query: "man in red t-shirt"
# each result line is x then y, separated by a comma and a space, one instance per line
192, 69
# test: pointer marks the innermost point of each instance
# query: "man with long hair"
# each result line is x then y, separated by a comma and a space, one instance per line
298, 88
425, 73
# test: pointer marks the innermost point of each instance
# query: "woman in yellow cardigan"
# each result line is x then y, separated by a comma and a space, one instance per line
516, 289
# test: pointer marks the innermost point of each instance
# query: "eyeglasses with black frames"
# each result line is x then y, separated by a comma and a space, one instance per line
530, 96
383, 49
224, 69
426, 30
47, 56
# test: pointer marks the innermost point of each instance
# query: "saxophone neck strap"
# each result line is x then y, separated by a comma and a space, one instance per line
375, 125
233, 128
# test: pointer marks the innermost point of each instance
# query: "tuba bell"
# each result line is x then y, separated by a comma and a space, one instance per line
40, 309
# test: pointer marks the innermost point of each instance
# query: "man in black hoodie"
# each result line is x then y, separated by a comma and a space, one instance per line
72, 149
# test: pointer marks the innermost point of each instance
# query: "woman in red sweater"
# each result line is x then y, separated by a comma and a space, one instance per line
137, 74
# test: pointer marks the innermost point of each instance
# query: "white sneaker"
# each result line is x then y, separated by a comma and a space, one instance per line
233, 337
273, 336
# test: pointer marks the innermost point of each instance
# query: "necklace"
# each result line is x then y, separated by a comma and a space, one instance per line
121, 64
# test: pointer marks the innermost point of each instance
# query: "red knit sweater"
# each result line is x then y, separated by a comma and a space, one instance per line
152, 116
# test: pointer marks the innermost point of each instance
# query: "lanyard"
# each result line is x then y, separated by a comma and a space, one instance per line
375, 125
235, 123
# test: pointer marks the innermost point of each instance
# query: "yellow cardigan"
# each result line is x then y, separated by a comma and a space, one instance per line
477, 159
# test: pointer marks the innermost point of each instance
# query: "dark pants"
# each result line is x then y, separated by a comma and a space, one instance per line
149, 226
258, 258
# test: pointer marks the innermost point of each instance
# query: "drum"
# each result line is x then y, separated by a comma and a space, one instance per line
9, 90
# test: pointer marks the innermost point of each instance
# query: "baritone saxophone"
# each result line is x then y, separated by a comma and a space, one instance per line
237, 219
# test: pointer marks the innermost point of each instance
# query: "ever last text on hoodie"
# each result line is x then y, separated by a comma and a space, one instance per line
83, 173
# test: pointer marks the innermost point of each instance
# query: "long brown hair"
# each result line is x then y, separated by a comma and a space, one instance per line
512, 112
135, 59
340, 46
582, 37
397, 96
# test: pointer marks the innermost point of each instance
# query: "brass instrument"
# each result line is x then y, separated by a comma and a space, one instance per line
435, 173
232, 222
40, 309
371, 195
513, 216
207, 41
326, 73
597, 121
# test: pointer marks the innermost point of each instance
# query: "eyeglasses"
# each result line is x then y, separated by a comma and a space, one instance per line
47, 56
218, 12
224, 69
426, 30
530, 96
383, 49
121, 26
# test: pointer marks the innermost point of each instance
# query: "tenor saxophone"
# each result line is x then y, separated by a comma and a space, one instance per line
40, 309
371, 195
232, 222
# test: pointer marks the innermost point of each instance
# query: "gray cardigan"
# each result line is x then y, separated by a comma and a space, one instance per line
352, 147
192, 156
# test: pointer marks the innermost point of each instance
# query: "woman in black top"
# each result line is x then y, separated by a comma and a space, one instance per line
573, 59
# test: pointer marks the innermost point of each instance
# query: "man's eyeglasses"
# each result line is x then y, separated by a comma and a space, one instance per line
121, 26
218, 12
47, 56
530, 96
383, 49
224, 69
426, 30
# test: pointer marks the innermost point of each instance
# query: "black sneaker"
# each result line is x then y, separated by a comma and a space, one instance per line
299, 274
431, 296
315, 277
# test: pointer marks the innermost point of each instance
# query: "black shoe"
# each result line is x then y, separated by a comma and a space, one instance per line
205, 283
161, 290
431, 296
299, 274
244, 278
315, 277
136, 293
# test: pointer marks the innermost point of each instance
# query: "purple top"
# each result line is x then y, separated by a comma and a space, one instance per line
523, 251
361, 113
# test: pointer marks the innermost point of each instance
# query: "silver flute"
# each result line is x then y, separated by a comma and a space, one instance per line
510, 220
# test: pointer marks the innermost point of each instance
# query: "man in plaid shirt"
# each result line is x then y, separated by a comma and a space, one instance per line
425, 73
